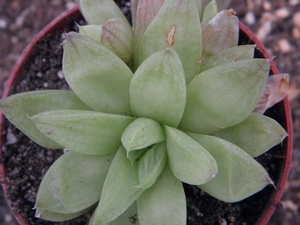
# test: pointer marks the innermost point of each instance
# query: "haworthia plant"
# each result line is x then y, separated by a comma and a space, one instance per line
166, 101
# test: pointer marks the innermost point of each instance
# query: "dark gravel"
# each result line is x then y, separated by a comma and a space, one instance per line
276, 23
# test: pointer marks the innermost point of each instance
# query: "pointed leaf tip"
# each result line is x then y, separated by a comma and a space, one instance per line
213, 95
239, 176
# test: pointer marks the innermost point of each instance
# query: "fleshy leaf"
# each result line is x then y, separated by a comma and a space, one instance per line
239, 176
238, 53
114, 34
136, 155
187, 159
151, 165
224, 96
142, 133
73, 176
146, 10
118, 37
255, 135
97, 12
209, 12
222, 4
82, 131
198, 4
176, 25
275, 90
20, 107
163, 203
58, 217
119, 189
92, 31
97, 76
215, 38
129, 217
158, 89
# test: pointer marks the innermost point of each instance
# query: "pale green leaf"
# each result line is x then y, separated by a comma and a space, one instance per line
20, 107
145, 11
164, 203
209, 12
129, 217
158, 89
72, 177
222, 4
255, 135
151, 165
97, 76
224, 96
97, 12
119, 190
230, 55
239, 176
136, 155
118, 37
114, 34
176, 25
92, 31
198, 4
142, 133
58, 217
219, 34
82, 131
188, 160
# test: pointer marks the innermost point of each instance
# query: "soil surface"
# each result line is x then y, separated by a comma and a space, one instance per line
276, 23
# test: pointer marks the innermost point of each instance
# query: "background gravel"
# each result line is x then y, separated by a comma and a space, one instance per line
275, 22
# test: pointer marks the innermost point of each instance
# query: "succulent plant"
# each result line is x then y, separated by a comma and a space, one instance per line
170, 99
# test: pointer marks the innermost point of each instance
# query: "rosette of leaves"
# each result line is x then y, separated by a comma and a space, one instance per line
170, 99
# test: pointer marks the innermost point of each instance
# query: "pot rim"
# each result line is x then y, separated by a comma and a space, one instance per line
272, 205
73, 14
54, 25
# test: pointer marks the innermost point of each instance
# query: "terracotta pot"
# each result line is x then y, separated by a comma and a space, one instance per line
74, 14
287, 124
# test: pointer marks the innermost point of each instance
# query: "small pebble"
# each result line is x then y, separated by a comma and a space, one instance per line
296, 19
222, 222
284, 46
70, 5
296, 33
39, 74
267, 6
11, 138
294, 2
3, 24
282, 13
288, 204
8, 218
60, 74
264, 30
250, 18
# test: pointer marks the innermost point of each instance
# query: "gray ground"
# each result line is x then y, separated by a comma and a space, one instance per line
276, 23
